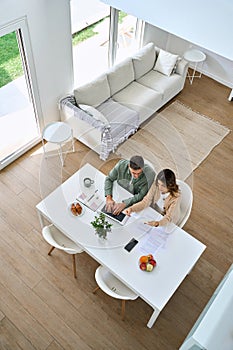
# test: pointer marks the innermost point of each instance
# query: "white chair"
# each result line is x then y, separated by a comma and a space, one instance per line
113, 287
58, 240
146, 161
186, 202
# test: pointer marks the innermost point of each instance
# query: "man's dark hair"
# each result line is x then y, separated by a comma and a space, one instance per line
136, 162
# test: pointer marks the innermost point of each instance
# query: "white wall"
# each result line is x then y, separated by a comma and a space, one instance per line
50, 40
175, 25
216, 67
205, 23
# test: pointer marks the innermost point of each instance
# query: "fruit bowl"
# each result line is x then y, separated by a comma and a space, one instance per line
147, 262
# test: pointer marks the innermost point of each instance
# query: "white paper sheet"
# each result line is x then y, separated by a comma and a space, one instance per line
154, 240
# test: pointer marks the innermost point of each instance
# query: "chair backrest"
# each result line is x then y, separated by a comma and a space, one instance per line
186, 202
58, 240
112, 286
146, 161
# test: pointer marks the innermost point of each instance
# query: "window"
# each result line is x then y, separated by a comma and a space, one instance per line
101, 39
18, 121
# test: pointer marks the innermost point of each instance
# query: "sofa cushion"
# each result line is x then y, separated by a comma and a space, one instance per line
181, 66
123, 122
165, 62
144, 60
94, 92
167, 86
120, 75
140, 98
119, 114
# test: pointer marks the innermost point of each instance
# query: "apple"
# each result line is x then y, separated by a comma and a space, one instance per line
143, 266
150, 257
149, 267
152, 262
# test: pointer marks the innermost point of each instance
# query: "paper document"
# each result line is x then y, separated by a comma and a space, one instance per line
155, 239
92, 201
139, 228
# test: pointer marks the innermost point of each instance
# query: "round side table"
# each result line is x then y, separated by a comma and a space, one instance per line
58, 133
194, 56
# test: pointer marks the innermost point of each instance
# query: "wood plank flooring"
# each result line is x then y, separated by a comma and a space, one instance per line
43, 307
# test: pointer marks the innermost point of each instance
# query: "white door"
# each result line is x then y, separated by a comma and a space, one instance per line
19, 129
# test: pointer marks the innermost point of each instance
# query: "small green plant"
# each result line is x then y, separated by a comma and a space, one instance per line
101, 226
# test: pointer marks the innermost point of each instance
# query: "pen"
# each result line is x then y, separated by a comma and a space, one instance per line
92, 196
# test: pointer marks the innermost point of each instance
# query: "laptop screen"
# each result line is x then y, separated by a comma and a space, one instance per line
121, 218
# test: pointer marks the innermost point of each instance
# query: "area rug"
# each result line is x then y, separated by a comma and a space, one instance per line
177, 138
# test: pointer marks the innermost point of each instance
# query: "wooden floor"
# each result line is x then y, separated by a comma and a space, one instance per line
43, 307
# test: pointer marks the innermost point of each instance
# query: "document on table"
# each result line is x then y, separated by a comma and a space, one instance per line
93, 201
154, 240
138, 227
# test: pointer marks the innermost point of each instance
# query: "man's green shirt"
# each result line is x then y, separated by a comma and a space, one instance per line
138, 187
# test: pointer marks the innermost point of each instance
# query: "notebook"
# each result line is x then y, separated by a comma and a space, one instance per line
93, 201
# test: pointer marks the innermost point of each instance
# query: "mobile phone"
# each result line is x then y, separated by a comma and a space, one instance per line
129, 246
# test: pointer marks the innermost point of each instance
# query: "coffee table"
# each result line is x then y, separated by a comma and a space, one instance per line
194, 56
174, 261
57, 133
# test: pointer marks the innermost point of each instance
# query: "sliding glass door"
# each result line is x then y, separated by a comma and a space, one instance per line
102, 35
18, 120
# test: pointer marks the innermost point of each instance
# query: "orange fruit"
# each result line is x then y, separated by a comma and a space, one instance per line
143, 259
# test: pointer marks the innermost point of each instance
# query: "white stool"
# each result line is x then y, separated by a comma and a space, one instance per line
58, 133
196, 57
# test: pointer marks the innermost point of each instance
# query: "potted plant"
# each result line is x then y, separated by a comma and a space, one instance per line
101, 226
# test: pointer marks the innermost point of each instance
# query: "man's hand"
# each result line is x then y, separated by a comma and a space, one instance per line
128, 211
110, 203
152, 223
118, 208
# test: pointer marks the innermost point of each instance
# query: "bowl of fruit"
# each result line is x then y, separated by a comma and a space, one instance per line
147, 262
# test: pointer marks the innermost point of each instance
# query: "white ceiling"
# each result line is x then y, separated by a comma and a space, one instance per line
206, 23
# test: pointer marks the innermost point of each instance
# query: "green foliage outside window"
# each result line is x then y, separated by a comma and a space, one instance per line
10, 61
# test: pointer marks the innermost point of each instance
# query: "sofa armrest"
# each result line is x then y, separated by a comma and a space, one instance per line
69, 108
182, 67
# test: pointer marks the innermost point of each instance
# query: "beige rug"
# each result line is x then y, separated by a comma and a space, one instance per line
177, 138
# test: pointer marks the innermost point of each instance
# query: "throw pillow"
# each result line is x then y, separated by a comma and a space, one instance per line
165, 62
93, 112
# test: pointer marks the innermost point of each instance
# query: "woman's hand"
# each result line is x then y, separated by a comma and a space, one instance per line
128, 211
152, 223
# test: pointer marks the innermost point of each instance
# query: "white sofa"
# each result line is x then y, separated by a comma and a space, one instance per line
106, 111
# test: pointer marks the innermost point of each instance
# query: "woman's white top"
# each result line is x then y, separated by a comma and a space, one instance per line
160, 202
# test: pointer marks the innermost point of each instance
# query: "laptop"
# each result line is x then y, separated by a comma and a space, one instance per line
121, 218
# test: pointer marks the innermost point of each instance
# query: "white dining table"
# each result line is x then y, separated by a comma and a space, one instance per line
175, 259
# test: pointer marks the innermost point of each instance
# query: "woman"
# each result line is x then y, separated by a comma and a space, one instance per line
164, 196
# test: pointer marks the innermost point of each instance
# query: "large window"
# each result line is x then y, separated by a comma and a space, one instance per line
18, 122
90, 31
101, 40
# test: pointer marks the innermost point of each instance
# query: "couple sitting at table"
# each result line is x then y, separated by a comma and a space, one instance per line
162, 194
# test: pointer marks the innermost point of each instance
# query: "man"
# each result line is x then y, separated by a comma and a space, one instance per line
134, 176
